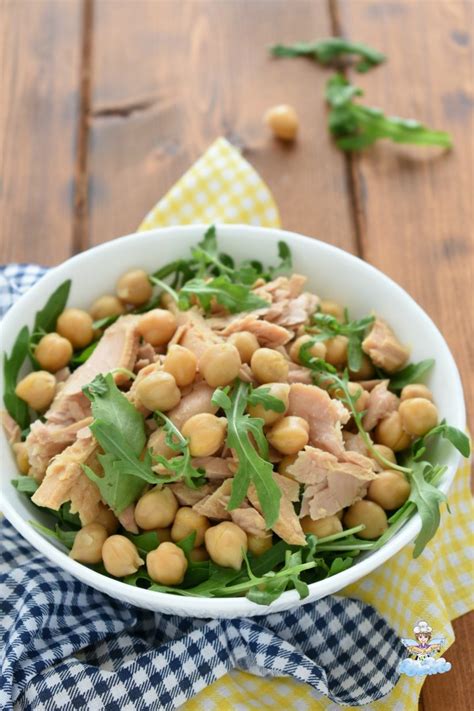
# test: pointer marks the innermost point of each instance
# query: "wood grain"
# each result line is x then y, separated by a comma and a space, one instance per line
415, 206
38, 116
190, 76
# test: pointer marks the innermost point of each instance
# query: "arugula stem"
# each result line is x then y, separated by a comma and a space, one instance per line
166, 287
285, 572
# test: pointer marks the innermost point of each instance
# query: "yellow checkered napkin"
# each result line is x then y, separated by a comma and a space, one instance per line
437, 587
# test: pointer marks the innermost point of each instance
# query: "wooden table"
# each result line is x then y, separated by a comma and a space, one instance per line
104, 104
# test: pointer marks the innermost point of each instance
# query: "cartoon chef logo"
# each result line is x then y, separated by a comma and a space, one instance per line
422, 653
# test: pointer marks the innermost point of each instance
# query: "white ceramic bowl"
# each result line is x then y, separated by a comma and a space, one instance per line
332, 274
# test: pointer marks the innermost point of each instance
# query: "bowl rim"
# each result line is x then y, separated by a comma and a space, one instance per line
234, 607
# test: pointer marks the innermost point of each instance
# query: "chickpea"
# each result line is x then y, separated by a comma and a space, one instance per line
105, 306
336, 350
282, 121
368, 513
286, 462
332, 309
134, 287
157, 443
355, 390
120, 556
108, 520
157, 326
246, 343
158, 391
259, 544
87, 547
182, 364
21, 456
206, 434
269, 366
416, 390
37, 390
279, 390
156, 509
163, 534
53, 352
167, 564
225, 543
322, 527
318, 350
385, 452
76, 326
390, 490
418, 416
366, 370
390, 432
220, 364
289, 435
188, 521
198, 555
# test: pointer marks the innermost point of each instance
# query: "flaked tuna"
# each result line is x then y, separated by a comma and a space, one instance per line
287, 526
269, 335
384, 348
324, 416
249, 520
215, 505
45, 441
381, 403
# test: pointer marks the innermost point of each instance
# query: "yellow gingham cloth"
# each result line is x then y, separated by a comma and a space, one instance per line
438, 586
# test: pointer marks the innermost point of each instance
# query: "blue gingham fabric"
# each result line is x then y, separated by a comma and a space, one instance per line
67, 646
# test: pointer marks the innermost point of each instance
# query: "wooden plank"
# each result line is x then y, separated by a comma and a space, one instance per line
414, 206
191, 75
39, 104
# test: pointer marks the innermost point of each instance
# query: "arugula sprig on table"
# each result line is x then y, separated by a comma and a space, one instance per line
423, 476
327, 51
246, 437
355, 126
325, 326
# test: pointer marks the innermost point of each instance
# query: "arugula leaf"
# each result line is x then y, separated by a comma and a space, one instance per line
180, 466
120, 430
327, 50
356, 127
254, 466
47, 316
25, 484
412, 373
235, 297
427, 499
325, 326
81, 357
16, 407
286, 261
458, 439
64, 537
262, 396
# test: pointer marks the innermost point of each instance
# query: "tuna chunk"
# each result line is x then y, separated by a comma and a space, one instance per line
383, 347
287, 526
65, 481
215, 467
198, 400
193, 332
45, 441
116, 349
324, 416
187, 496
281, 288
330, 484
249, 520
381, 403
127, 519
299, 374
269, 335
215, 505
11, 428
355, 443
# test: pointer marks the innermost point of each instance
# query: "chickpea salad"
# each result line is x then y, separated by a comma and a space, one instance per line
214, 429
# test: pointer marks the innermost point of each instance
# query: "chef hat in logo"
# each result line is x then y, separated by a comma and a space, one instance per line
422, 627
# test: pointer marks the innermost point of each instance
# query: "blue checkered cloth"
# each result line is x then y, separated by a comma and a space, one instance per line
67, 646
